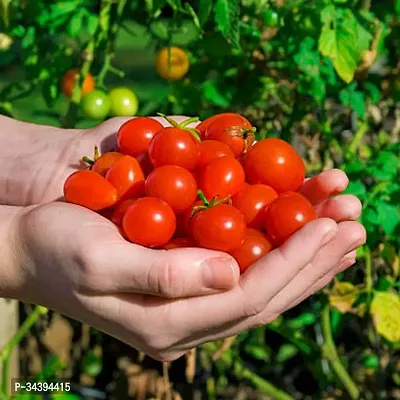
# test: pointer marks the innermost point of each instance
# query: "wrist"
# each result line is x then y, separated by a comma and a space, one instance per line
11, 270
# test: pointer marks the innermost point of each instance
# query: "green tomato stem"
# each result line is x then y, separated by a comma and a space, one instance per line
203, 198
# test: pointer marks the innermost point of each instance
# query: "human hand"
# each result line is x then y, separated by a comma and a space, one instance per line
161, 302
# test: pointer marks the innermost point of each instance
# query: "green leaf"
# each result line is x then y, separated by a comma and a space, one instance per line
175, 4
397, 6
4, 5
75, 24
92, 364
205, 7
338, 41
373, 91
227, 19
286, 352
388, 216
194, 16
304, 319
258, 352
356, 188
212, 94
385, 311
52, 365
354, 99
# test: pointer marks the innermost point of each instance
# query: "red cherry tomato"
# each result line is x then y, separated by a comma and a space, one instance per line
255, 246
127, 177
149, 222
179, 242
232, 130
221, 227
119, 211
203, 126
105, 162
211, 150
90, 190
173, 184
222, 177
275, 163
134, 136
145, 163
252, 201
173, 146
286, 215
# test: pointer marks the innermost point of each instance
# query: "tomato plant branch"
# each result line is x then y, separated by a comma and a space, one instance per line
357, 139
70, 118
6, 351
330, 353
368, 271
365, 5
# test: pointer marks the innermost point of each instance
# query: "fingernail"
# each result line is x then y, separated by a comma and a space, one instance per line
329, 235
219, 273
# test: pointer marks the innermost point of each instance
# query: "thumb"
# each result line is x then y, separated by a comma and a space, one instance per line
168, 273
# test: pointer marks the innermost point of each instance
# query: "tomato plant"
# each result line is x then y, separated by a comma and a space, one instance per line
124, 103
254, 246
150, 222
175, 185
220, 227
222, 177
69, 79
89, 189
286, 215
127, 177
172, 63
96, 105
174, 146
275, 163
253, 201
134, 136
234, 130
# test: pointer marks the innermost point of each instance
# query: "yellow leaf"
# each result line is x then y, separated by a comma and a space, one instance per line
385, 311
343, 295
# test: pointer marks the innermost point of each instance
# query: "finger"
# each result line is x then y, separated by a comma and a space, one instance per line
350, 236
261, 282
324, 185
125, 267
346, 262
340, 208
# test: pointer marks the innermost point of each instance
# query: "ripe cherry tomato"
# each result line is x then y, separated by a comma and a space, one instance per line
173, 146
89, 189
134, 136
68, 83
232, 130
149, 222
127, 177
203, 126
275, 163
286, 215
105, 162
255, 246
119, 211
175, 185
222, 177
212, 149
179, 242
172, 63
252, 201
96, 105
124, 103
221, 227
145, 163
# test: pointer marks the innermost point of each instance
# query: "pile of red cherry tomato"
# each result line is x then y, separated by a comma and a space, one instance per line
212, 187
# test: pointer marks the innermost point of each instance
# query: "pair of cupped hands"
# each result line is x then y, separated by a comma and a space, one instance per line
163, 303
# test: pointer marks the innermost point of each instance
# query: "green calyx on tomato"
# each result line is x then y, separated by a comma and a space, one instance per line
208, 203
96, 105
96, 156
270, 18
183, 125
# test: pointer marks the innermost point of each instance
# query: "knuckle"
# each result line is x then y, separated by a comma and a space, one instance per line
253, 309
263, 319
164, 279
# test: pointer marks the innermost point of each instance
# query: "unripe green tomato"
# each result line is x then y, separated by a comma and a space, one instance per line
124, 103
96, 104
270, 18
